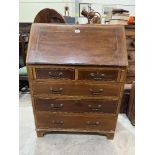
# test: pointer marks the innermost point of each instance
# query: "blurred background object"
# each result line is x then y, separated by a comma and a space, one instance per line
49, 16
66, 11
29, 8
131, 20
92, 16
119, 16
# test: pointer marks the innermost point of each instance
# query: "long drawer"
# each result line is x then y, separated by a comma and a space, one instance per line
84, 122
76, 89
83, 105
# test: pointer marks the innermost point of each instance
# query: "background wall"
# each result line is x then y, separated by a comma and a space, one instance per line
29, 8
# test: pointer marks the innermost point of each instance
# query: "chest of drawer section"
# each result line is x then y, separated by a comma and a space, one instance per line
64, 95
76, 89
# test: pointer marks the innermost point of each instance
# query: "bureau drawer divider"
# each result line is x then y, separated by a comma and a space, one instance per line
76, 74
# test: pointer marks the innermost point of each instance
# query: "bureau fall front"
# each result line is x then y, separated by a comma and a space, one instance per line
76, 76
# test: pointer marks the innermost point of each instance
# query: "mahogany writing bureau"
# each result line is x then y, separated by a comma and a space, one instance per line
76, 75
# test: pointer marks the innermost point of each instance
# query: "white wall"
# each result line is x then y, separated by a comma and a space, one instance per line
29, 8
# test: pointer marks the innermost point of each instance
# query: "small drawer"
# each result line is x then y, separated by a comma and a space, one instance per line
98, 75
76, 89
55, 73
76, 121
81, 105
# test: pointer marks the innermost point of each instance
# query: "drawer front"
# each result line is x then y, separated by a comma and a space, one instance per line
76, 89
62, 121
54, 73
83, 105
98, 75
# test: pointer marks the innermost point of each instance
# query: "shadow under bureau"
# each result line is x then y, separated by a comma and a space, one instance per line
76, 76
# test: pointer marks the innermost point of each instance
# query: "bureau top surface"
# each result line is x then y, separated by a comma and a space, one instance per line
77, 45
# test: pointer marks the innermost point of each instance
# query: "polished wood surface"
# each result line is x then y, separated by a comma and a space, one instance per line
98, 75
76, 89
76, 121
77, 45
76, 105
54, 73
76, 86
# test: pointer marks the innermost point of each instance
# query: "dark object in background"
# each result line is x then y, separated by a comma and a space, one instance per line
49, 16
119, 11
131, 106
125, 100
23, 77
93, 17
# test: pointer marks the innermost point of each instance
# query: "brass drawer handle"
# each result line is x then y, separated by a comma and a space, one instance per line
57, 122
56, 90
55, 75
91, 123
97, 76
95, 108
56, 106
96, 92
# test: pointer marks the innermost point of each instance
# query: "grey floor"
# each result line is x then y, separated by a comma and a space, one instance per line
72, 144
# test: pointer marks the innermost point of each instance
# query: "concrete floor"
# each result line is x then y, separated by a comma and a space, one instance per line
72, 144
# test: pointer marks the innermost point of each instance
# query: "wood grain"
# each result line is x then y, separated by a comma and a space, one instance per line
94, 45
76, 105
76, 79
